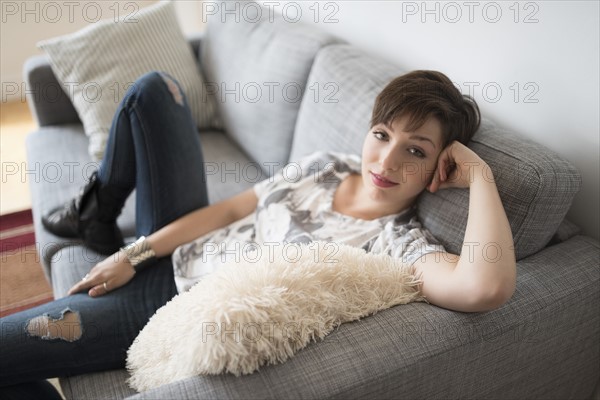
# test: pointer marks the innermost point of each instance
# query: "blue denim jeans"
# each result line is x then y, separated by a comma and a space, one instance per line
153, 147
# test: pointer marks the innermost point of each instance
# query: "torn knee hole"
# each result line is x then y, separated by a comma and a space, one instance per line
174, 89
67, 327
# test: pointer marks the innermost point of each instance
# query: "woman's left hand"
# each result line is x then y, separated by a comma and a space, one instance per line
457, 167
106, 276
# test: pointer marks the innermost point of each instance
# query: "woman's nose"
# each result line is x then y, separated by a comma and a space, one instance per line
389, 160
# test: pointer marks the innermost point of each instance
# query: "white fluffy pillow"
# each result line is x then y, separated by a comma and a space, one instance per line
253, 313
96, 64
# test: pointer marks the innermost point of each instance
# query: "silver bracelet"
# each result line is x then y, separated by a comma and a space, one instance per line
139, 253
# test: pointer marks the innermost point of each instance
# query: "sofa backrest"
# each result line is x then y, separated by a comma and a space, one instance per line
536, 185
258, 67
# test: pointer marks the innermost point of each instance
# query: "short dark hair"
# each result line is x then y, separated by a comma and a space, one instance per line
424, 94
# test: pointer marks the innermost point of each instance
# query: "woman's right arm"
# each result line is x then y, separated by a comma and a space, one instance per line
201, 221
475, 280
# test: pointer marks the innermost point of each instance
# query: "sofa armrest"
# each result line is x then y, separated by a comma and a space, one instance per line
48, 102
543, 343
195, 40
566, 230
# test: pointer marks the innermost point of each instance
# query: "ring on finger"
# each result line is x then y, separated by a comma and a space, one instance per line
105, 286
85, 277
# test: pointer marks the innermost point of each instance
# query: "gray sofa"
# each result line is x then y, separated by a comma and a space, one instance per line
544, 343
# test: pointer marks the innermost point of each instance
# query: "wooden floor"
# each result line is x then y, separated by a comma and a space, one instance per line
16, 123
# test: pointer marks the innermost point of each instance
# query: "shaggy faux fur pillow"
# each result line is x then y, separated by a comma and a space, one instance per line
253, 313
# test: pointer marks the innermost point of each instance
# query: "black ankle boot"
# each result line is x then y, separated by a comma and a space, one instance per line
91, 216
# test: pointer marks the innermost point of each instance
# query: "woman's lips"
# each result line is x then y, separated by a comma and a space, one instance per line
380, 181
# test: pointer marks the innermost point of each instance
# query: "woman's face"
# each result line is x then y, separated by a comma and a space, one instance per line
397, 165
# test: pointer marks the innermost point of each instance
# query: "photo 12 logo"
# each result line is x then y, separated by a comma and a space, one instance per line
51, 172
271, 92
69, 11
469, 11
493, 92
290, 11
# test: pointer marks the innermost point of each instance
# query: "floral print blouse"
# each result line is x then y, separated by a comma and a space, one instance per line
295, 206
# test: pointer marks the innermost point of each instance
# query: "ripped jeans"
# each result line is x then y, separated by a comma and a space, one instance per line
153, 147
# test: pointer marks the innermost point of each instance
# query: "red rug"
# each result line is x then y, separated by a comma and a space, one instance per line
23, 284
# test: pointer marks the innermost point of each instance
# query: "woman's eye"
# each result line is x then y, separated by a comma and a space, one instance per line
416, 152
380, 135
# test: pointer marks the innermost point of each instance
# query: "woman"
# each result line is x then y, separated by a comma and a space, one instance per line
420, 125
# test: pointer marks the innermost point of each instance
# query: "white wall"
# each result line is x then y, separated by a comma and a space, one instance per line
552, 58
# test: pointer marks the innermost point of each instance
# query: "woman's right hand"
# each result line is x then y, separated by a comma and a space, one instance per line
106, 276
457, 167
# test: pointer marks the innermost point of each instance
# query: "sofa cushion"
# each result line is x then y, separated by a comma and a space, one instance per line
411, 351
258, 69
85, 61
536, 185
338, 118
228, 170
97, 385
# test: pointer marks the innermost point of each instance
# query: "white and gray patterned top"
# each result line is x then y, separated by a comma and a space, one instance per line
295, 206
